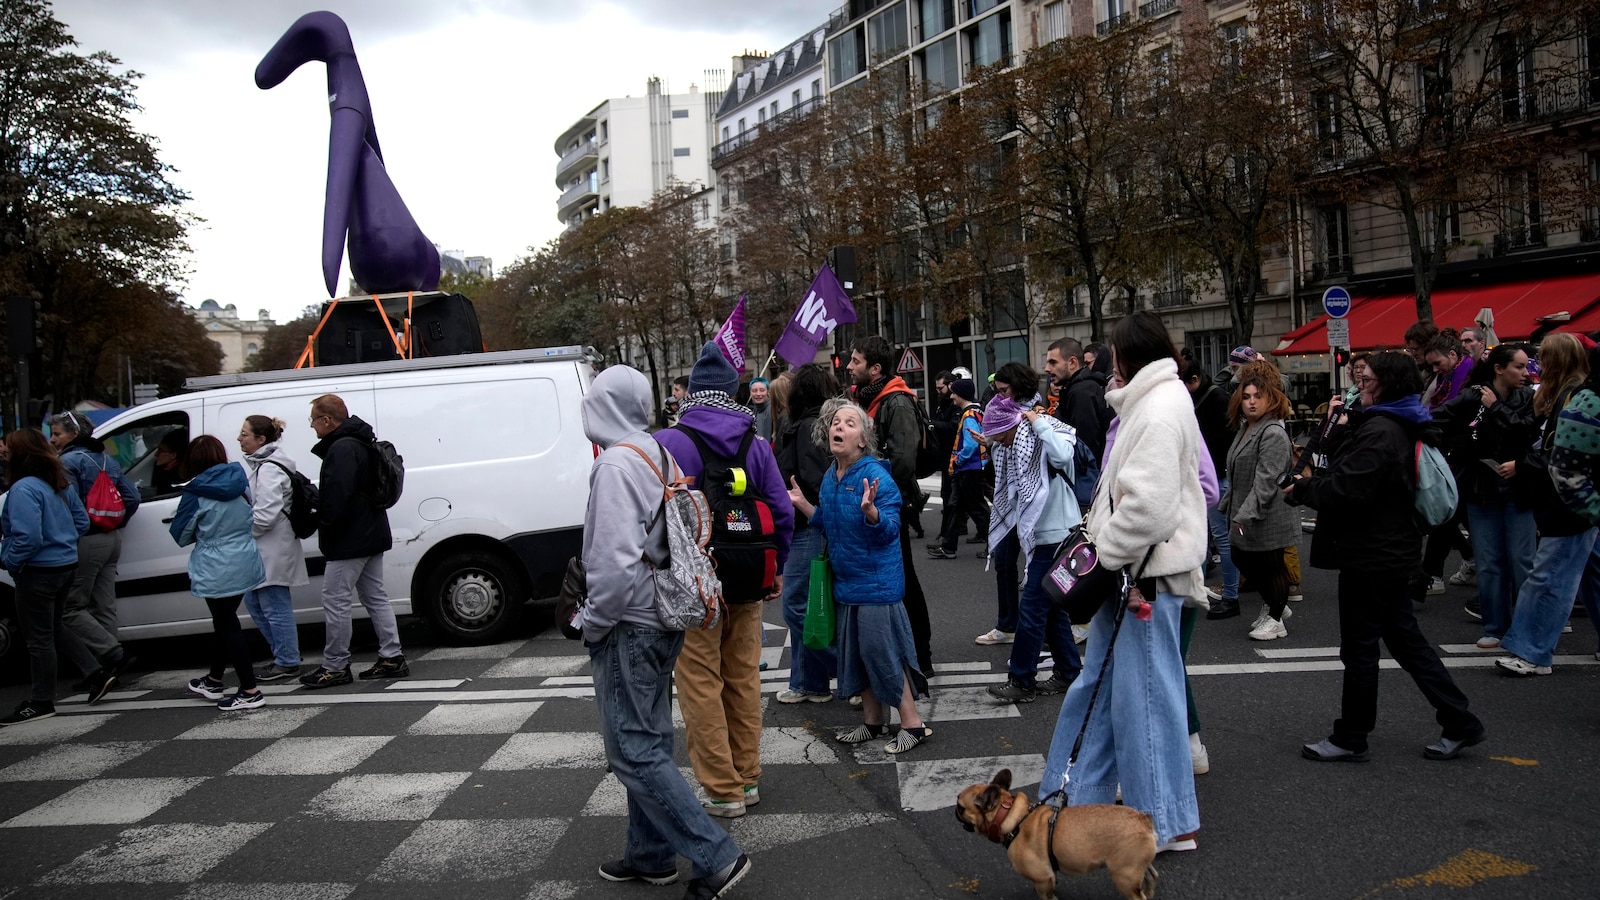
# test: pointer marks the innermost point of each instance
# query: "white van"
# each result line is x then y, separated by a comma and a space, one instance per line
497, 478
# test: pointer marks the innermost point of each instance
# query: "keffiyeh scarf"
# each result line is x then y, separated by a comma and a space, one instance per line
1022, 484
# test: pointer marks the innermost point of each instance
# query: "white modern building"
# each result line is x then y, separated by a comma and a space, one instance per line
625, 151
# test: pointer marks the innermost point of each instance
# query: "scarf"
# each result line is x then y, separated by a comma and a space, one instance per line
1022, 485
865, 395
714, 399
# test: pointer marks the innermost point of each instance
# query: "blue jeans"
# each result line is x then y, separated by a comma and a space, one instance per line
809, 670
272, 610
632, 680
1217, 519
1589, 589
1138, 736
1503, 541
1037, 618
1545, 603
1006, 578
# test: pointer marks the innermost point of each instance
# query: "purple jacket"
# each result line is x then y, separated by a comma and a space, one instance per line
722, 430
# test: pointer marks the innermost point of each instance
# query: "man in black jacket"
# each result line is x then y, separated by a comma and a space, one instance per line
1368, 529
353, 536
1082, 402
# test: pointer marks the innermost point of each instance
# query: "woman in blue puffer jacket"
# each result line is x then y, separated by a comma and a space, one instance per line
858, 512
215, 515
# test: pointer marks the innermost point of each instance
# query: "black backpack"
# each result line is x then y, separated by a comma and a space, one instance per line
304, 511
930, 457
742, 529
388, 473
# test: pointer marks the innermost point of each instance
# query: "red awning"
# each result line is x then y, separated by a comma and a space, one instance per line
1382, 321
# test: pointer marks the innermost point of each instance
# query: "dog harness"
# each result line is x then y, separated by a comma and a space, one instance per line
1050, 833
1050, 830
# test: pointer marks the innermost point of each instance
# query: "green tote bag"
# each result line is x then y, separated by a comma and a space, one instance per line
819, 606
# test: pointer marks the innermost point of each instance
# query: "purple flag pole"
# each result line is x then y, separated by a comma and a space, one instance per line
730, 337
824, 308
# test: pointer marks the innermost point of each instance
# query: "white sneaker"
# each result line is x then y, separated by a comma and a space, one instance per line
1178, 844
1294, 595
1466, 575
1270, 630
1214, 595
994, 636
1435, 586
1516, 665
1266, 613
1198, 756
1080, 633
1488, 643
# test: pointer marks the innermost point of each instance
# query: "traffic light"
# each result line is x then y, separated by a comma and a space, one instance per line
835, 359
1341, 357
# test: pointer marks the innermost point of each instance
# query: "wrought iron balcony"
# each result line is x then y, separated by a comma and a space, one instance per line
1156, 8
1523, 237
1121, 20
749, 135
1170, 299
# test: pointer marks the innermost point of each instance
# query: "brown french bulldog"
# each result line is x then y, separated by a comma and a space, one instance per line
1121, 839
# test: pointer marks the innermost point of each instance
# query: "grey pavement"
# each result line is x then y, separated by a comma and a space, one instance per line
482, 773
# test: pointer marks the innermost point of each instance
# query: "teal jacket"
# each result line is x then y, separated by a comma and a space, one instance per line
40, 527
215, 516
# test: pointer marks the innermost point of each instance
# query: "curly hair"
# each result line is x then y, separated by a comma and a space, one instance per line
831, 408
1268, 387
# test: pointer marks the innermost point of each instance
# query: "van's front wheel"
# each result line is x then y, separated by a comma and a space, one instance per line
472, 596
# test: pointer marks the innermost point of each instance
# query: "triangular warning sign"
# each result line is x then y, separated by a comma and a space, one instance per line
909, 363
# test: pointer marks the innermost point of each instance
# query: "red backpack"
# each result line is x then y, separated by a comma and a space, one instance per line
104, 503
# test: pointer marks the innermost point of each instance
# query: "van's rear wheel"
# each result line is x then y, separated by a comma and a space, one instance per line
473, 597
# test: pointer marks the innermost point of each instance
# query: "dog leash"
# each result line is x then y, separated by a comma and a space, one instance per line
1105, 664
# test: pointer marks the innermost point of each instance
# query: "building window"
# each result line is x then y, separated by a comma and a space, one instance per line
1234, 35
680, 114
989, 44
816, 88
794, 98
761, 116
847, 55
251, 348
1434, 92
774, 109
605, 170
887, 33
1445, 216
1209, 348
1053, 27
940, 66
1330, 126
1333, 240
1116, 16
724, 132
605, 133
977, 7
933, 17
1514, 57
680, 151
1524, 212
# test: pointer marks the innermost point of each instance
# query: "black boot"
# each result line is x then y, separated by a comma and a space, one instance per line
1223, 609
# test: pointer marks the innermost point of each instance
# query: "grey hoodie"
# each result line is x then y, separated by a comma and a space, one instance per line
624, 498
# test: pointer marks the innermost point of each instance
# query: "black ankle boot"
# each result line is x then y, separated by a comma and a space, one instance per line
1223, 609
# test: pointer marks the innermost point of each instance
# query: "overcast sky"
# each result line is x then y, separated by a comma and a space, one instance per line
468, 97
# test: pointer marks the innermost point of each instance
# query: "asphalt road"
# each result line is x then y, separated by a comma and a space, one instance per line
483, 774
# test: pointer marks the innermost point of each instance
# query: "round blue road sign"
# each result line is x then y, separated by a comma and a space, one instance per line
1336, 302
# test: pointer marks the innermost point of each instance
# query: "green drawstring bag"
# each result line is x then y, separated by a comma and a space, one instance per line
819, 606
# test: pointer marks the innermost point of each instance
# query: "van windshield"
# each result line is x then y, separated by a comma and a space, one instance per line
150, 451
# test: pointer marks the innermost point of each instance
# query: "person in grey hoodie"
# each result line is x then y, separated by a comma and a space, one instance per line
632, 653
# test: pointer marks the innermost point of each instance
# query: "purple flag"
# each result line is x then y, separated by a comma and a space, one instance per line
730, 337
824, 308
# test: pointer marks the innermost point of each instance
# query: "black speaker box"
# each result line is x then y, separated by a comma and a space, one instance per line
354, 333
445, 326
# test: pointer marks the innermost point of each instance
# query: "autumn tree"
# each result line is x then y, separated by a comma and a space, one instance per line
1423, 107
283, 343
1082, 163
1229, 146
91, 226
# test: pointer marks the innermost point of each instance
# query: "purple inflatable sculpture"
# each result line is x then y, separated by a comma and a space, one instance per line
388, 252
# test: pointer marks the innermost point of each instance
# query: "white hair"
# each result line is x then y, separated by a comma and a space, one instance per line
831, 408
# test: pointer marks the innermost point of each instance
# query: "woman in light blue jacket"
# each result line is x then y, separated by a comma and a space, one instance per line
214, 515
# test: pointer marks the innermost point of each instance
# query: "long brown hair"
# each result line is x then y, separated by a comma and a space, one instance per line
32, 455
1563, 365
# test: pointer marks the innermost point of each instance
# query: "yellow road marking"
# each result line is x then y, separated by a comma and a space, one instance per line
1515, 761
1463, 870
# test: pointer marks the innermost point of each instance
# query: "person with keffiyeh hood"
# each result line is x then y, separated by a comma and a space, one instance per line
1034, 509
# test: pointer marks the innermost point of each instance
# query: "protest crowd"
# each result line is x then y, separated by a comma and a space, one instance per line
1185, 483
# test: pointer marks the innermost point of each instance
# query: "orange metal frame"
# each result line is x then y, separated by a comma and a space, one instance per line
402, 340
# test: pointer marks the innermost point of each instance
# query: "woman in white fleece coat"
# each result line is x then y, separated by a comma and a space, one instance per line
1149, 497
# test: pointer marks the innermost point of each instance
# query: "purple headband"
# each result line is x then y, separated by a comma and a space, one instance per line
1001, 415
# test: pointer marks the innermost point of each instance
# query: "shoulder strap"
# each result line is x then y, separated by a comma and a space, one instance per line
666, 486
